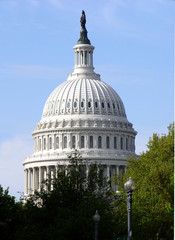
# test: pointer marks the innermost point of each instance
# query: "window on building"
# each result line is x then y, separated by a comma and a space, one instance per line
73, 142
113, 105
75, 104
91, 142
121, 143
65, 142
99, 142
115, 142
108, 105
50, 143
44, 143
68, 104
89, 104
126, 143
102, 104
82, 104
57, 142
107, 142
96, 104
82, 141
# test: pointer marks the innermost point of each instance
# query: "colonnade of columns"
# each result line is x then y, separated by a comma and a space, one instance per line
35, 176
83, 58
56, 141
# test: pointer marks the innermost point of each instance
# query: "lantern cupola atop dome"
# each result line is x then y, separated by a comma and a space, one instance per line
83, 54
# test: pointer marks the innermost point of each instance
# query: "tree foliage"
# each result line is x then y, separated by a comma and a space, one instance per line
153, 198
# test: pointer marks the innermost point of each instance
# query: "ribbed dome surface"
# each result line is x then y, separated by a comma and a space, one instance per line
84, 96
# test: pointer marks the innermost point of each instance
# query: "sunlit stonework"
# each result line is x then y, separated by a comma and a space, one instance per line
83, 113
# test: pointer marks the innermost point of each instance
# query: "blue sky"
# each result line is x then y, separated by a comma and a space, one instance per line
134, 53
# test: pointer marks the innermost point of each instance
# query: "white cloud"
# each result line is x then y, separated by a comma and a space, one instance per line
12, 154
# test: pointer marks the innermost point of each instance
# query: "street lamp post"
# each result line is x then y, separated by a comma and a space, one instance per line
129, 188
96, 219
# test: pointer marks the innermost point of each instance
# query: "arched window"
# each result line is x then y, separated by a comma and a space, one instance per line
107, 142
73, 142
57, 142
102, 104
99, 142
50, 143
65, 142
115, 142
91, 142
113, 105
44, 145
108, 105
82, 141
121, 143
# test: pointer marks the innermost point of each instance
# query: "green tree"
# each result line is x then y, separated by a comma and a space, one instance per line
66, 212
153, 198
10, 215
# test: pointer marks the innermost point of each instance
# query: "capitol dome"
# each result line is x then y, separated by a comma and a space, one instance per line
83, 96
83, 113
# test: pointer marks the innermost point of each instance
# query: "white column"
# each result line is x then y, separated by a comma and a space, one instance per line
86, 138
51, 177
47, 142
77, 141
26, 181
40, 178
33, 180
56, 170
47, 172
29, 181
75, 58
61, 141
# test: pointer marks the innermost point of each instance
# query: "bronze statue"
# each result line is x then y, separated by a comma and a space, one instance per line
83, 32
83, 20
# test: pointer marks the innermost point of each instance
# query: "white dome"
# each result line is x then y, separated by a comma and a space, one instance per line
83, 96
82, 113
